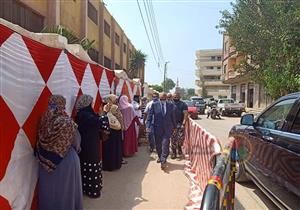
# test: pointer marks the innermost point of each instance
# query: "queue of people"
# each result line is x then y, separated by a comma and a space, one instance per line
69, 151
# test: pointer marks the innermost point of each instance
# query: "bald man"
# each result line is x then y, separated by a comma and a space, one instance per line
162, 116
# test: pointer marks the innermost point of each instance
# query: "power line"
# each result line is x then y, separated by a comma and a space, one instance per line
147, 31
151, 27
156, 30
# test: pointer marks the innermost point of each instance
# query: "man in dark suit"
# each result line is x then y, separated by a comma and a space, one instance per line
163, 114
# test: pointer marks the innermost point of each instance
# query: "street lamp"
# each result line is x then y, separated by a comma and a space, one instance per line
165, 72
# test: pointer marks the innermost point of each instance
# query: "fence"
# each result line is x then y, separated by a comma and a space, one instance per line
220, 190
201, 149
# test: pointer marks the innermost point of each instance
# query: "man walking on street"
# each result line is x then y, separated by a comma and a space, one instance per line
150, 134
164, 124
181, 114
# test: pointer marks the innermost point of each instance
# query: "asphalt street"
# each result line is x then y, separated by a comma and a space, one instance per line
248, 196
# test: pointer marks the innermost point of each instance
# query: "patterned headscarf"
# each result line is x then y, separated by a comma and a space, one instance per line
114, 109
112, 99
84, 101
55, 134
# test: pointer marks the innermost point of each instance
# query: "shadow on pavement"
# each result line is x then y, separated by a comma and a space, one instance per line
122, 189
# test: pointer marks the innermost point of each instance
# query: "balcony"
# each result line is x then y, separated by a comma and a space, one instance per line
213, 82
208, 63
212, 72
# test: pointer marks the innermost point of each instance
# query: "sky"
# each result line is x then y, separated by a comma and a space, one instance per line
184, 26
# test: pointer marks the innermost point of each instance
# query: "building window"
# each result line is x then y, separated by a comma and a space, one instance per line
17, 13
94, 54
107, 62
219, 67
106, 28
117, 66
211, 78
233, 92
210, 67
92, 13
117, 39
219, 58
130, 53
124, 48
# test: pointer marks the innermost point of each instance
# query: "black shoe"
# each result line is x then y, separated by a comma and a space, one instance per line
163, 166
173, 156
158, 160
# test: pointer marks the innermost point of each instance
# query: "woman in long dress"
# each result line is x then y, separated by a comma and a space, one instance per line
112, 148
59, 166
89, 126
130, 146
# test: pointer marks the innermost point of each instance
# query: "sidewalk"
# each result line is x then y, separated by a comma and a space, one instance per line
141, 184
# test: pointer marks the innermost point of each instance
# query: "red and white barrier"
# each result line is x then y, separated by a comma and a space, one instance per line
200, 147
29, 73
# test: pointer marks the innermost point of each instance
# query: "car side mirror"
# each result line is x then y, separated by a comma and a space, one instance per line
247, 119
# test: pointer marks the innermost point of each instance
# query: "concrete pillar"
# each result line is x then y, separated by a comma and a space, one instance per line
84, 16
101, 33
53, 16
112, 38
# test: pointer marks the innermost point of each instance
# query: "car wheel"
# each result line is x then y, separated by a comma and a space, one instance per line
241, 175
223, 113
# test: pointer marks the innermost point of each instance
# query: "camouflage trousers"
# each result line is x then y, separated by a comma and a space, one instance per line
177, 141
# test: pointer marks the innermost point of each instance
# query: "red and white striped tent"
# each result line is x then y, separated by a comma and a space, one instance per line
29, 73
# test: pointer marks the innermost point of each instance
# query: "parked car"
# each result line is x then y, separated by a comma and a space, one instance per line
268, 149
192, 109
228, 106
199, 103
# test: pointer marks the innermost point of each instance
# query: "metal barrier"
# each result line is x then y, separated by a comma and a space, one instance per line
220, 190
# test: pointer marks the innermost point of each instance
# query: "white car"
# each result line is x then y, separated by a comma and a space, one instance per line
227, 106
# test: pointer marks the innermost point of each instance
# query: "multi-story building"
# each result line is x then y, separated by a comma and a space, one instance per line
85, 18
209, 64
242, 88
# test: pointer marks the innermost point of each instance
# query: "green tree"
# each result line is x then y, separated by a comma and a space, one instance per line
137, 62
268, 34
72, 39
170, 84
158, 88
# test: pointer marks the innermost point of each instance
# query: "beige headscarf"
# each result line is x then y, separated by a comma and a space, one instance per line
84, 101
112, 99
114, 109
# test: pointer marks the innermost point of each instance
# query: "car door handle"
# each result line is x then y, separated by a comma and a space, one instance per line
267, 138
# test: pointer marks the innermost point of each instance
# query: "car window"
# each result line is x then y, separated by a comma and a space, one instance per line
296, 125
275, 117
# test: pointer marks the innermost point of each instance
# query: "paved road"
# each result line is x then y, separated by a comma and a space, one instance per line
141, 184
248, 196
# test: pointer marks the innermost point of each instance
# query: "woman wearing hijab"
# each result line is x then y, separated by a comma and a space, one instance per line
129, 118
112, 148
89, 125
59, 166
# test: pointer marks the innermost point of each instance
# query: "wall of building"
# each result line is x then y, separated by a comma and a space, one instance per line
92, 27
107, 40
39, 6
70, 16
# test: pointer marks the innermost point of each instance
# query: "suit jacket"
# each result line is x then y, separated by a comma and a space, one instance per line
163, 124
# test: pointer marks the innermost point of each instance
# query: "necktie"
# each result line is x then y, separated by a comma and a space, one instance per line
163, 108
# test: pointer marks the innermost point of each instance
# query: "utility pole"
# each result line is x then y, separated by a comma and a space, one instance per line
165, 73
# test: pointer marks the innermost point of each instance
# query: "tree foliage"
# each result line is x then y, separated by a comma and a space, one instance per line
72, 39
170, 84
158, 88
137, 62
268, 33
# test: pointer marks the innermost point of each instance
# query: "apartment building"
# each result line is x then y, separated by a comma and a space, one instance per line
242, 88
208, 72
85, 18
